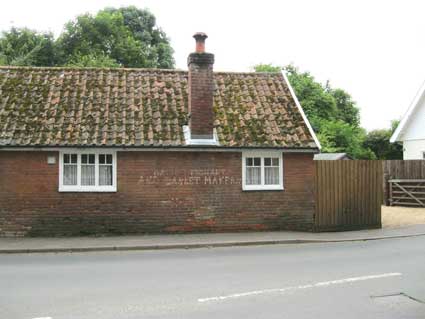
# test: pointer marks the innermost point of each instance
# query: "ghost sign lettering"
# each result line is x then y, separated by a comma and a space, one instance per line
181, 177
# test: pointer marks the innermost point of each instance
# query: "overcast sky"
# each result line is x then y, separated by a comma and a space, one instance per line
375, 50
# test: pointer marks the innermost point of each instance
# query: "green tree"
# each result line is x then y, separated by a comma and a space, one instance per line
92, 61
317, 102
379, 142
337, 136
346, 107
25, 47
267, 68
332, 113
127, 36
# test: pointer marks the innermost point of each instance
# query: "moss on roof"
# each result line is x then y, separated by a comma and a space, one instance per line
142, 107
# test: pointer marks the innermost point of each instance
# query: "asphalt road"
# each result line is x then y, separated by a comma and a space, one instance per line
374, 279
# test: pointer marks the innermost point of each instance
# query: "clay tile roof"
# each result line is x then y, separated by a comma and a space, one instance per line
142, 107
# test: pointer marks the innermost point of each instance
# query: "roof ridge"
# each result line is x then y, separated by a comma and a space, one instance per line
13, 67
247, 73
71, 68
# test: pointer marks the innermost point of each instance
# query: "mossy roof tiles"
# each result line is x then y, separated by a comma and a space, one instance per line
142, 107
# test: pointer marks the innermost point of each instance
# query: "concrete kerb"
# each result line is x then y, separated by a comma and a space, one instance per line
196, 245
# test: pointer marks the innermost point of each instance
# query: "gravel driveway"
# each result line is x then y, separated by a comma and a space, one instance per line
393, 216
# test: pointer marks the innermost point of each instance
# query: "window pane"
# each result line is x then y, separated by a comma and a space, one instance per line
109, 159
102, 159
87, 175
87, 159
253, 161
271, 175
105, 175
271, 161
66, 158
253, 175
74, 158
70, 175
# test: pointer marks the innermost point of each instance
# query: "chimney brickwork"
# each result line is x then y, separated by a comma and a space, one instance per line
201, 90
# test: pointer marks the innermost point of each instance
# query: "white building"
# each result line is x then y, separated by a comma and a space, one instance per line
411, 130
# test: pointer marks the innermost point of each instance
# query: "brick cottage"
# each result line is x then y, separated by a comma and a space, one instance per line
123, 151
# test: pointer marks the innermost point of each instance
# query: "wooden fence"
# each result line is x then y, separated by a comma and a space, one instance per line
399, 169
348, 195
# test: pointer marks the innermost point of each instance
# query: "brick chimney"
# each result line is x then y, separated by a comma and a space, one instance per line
201, 89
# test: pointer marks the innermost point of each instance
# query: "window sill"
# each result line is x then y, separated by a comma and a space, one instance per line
262, 188
107, 189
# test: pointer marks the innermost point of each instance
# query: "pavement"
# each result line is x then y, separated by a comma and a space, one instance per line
187, 241
377, 279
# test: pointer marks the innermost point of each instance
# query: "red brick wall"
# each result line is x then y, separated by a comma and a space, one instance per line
157, 192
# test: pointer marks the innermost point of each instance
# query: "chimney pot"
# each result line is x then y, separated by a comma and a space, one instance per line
200, 42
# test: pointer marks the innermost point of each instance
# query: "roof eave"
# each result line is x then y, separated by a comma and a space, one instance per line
160, 147
398, 133
307, 122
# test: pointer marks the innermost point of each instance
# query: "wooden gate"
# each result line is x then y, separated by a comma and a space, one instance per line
401, 170
407, 192
348, 195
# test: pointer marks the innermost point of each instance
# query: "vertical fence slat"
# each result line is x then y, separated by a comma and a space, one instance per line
317, 196
355, 172
373, 195
363, 218
328, 193
340, 194
324, 193
381, 195
367, 217
346, 196
331, 185
362, 172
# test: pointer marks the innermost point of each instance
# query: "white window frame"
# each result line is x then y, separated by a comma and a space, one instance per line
262, 155
88, 188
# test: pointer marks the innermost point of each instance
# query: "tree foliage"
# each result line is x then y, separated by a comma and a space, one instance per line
341, 137
318, 104
347, 110
379, 142
124, 37
333, 115
331, 111
92, 61
25, 47
266, 68
128, 36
